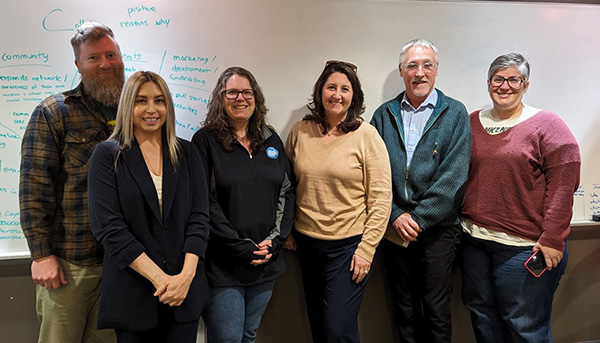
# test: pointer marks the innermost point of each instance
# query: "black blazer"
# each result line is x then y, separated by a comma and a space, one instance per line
125, 217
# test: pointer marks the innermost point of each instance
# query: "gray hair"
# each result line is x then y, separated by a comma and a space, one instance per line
512, 60
90, 31
419, 42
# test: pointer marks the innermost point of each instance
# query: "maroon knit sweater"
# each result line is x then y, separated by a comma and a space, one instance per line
522, 180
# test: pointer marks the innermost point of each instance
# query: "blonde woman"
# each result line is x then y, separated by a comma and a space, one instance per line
148, 204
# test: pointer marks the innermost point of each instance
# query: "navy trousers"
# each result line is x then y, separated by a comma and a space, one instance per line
332, 298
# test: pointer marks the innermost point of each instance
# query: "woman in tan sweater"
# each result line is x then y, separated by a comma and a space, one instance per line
343, 201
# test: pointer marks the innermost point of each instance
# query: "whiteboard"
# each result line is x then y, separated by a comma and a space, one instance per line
285, 43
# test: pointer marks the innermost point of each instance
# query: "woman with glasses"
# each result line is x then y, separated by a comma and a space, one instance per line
251, 206
148, 204
343, 201
524, 169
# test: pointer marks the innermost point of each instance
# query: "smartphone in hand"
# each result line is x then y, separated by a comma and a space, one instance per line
536, 264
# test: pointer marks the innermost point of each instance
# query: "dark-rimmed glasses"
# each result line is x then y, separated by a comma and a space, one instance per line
352, 66
233, 94
514, 82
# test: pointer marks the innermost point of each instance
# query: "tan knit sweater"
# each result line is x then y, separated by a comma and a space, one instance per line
344, 186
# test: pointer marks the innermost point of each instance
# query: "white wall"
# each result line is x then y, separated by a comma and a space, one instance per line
285, 44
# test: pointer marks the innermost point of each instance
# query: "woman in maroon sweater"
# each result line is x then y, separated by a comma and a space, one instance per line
524, 170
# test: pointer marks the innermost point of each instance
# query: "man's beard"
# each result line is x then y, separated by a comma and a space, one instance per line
105, 91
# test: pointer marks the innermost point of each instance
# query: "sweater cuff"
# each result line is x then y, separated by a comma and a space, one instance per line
365, 251
396, 212
552, 241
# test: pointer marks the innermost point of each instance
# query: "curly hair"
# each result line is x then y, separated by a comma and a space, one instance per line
357, 108
217, 120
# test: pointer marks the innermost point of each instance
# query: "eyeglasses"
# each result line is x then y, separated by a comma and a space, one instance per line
428, 67
514, 82
233, 94
352, 66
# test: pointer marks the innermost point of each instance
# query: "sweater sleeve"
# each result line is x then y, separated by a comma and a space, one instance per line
289, 147
377, 183
379, 123
285, 205
561, 167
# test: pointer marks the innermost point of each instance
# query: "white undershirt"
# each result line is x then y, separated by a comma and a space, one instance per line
158, 185
494, 126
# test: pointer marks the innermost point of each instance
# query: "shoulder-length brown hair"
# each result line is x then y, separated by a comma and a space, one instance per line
216, 117
357, 107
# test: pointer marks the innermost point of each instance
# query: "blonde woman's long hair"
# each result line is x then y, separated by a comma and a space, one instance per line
123, 131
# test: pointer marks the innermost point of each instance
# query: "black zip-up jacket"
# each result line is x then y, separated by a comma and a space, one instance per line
251, 199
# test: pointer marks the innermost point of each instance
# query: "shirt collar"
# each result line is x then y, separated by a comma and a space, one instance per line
430, 101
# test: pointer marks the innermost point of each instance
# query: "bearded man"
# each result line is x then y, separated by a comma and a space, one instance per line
62, 131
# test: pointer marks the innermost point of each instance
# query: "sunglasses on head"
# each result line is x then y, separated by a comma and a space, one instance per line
352, 66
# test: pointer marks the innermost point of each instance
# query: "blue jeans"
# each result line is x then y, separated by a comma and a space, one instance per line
507, 303
235, 312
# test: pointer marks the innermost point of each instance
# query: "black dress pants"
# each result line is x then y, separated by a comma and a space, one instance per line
420, 277
168, 330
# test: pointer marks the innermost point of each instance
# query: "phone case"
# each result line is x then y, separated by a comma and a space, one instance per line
536, 264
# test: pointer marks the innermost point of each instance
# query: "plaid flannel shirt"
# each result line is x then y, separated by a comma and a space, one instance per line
62, 131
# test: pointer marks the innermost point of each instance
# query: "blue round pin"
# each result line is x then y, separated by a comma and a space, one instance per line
272, 152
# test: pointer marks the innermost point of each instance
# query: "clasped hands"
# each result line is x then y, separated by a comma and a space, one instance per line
264, 252
172, 289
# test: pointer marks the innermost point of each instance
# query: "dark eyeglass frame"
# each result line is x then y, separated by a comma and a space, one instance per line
352, 66
507, 80
246, 93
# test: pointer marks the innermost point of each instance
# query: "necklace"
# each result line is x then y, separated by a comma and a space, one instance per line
332, 131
